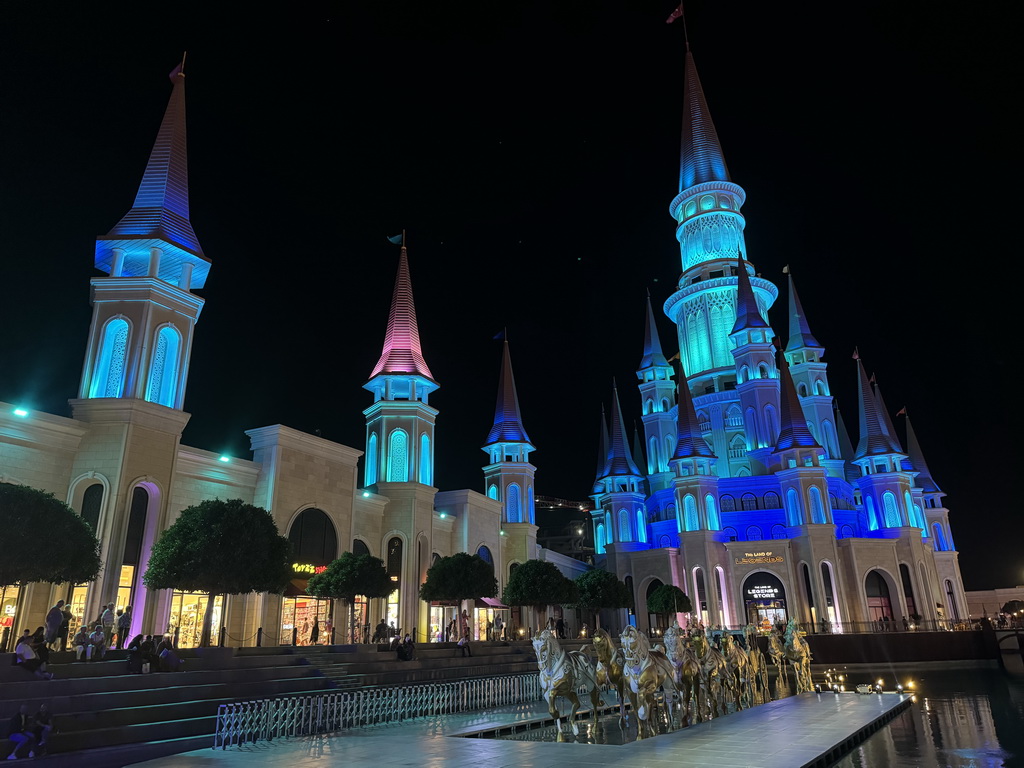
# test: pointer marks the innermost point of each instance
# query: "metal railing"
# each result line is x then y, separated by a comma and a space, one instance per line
268, 719
855, 627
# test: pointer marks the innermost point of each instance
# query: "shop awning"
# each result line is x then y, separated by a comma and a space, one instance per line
490, 602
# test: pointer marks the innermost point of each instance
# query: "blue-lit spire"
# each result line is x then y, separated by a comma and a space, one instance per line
653, 356
747, 313
690, 443
884, 412
874, 437
619, 461
159, 219
800, 336
602, 452
701, 157
508, 423
793, 431
924, 476
850, 471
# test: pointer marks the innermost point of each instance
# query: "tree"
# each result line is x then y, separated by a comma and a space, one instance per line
43, 540
601, 589
460, 577
220, 548
539, 584
667, 599
352, 575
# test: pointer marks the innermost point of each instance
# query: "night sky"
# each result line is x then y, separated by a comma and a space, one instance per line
530, 150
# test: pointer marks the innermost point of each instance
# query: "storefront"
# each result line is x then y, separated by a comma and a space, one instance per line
188, 610
765, 600
488, 609
76, 604
8, 614
301, 612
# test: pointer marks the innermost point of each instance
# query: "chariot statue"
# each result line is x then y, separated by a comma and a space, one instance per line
563, 673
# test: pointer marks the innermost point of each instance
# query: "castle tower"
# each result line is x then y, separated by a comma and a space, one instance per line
619, 492
400, 423
136, 368
509, 477
657, 394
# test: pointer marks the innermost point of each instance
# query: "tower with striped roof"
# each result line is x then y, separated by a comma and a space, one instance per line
657, 397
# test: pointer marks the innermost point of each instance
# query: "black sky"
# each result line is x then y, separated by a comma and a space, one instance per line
530, 150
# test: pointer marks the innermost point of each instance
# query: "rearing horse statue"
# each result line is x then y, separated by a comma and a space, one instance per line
687, 668
737, 671
609, 668
645, 671
758, 667
799, 652
561, 674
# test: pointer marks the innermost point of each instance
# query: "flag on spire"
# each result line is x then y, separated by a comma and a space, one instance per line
675, 14
902, 411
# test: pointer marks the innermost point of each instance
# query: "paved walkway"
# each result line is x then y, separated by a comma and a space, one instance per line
789, 733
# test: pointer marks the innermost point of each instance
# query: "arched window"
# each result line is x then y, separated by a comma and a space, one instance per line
772, 500
892, 512
108, 378
641, 527
817, 508
599, 543
793, 514
625, 534
846, 532
394, 562
912, 511
485, 555
371, 459
802, 390
492, 492
313, 538
653, 461
92, 502
754, 533
530, 505
748, 501
778, 531
730, 534
163, 373
359, 547
648, 406
398, 457
664, 541
771, 422
513, 505
829, 433
712, 511
951, 600
940, 538
728, 503
872, 515
426, 476
762, 371
690, 519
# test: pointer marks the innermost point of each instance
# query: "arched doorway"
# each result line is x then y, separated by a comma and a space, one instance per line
392, 617
314, 545
764, 597
876, 588
653, 619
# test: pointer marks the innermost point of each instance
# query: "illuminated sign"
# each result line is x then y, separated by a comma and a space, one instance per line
762, 592
759, 558
308, 568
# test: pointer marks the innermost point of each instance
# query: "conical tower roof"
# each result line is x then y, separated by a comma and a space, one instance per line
690, 443
160, 215
653, 356
800, 336
924, 476
620, 462
701, 157
508, 423
793, 431
602, 453
747, 314
402, 352
845, 445
884, 412
874, 437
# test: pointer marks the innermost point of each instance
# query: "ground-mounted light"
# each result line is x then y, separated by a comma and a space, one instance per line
21, 412
225, 459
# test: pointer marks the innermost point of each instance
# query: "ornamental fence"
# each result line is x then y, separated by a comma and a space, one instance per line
267, 719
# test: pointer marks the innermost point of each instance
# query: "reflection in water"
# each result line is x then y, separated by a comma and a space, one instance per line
963, 719
607, 731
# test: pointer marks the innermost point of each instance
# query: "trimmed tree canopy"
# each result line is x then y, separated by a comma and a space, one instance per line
668, 598
460, 577
538, 583
222, 548
601, 589
44, 539
352, 575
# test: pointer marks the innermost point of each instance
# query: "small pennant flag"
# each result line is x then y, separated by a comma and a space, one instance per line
856, 354
397, 239
675, 14
902, 411
785, 270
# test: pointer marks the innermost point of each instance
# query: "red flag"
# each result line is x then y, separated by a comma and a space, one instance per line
675, 14
902, 411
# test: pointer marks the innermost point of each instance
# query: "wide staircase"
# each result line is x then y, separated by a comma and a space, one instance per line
107, 717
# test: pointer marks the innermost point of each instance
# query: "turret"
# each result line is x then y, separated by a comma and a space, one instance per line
657, 395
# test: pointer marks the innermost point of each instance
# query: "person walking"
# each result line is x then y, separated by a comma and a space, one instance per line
65, 628
53, 619
107, 621
20, 735
314, 633
124, 627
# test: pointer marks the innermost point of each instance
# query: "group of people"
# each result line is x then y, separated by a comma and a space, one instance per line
145, 654
32, 654
29, 731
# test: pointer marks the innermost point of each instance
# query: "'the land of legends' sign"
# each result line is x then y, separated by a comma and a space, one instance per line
759, 558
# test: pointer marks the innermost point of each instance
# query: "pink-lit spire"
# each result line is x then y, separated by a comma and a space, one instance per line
402, 353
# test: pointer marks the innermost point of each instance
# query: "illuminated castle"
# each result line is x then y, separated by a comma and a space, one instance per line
752, 499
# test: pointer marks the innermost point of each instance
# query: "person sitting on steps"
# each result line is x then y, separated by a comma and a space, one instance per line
464, 645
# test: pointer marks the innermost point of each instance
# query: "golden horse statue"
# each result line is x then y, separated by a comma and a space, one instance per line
777, 652
645, 671
758, 667
737, 671
799, 652
609, 668
684, 661
562, 674
713, 673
